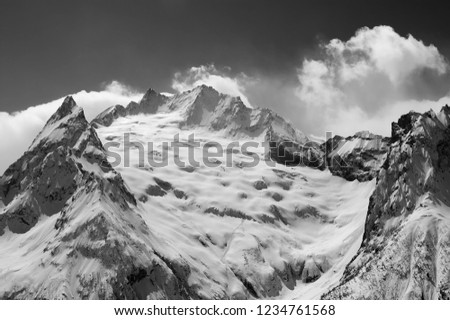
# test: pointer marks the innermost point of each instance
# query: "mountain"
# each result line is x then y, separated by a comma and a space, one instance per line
358, 157
235, 225
204, 106
107, 117
406, 244
68, 229
197, 196
247, 226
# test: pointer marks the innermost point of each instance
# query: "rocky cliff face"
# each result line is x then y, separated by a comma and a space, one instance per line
149, 103
358, 157
107, 117
406, 244
48, 174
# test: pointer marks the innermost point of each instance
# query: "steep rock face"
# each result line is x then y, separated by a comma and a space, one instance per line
149, 103
292, 153
107, 117
358, 157
48, 174
406, 244
68, 225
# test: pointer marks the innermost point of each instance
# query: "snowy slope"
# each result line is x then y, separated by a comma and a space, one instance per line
203, 106
256, 231
69, 228
131, 206
406, 248
72, 226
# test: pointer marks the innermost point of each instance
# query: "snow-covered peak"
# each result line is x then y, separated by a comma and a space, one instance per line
203, 106
107, 117
66, 122
68, 107
149, 103
62, 156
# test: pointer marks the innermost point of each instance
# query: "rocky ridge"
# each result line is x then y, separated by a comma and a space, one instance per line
406, 243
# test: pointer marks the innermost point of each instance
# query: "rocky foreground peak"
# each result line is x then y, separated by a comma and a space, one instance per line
406, 245
71, 222
58, 163
66, 108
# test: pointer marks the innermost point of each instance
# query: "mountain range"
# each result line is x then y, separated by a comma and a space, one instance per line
129, 206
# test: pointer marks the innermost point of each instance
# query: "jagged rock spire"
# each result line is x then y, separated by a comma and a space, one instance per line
66, 108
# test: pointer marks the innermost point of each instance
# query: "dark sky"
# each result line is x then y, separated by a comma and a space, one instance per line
49, 48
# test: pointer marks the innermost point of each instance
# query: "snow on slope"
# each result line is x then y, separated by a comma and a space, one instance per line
75, 227
204, 106
68, 227
406, 248
257, 231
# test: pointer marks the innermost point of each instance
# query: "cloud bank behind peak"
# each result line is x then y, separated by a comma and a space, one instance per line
361, 83
23, 126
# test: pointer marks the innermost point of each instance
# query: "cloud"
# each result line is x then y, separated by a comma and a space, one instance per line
211, 76
368, 81
22, 127
363, 83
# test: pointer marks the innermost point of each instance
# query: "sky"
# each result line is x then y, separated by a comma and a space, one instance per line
340, 66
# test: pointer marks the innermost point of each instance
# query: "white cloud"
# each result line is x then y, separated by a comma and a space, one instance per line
22, 127
365, 83
209, 75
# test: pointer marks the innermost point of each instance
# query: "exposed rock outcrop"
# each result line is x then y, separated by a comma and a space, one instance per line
406, 245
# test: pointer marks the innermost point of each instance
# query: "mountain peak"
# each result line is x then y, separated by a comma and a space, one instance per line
149, 92
60, 161
107, 117
67, 107
63, 124
149, 103
203, 88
